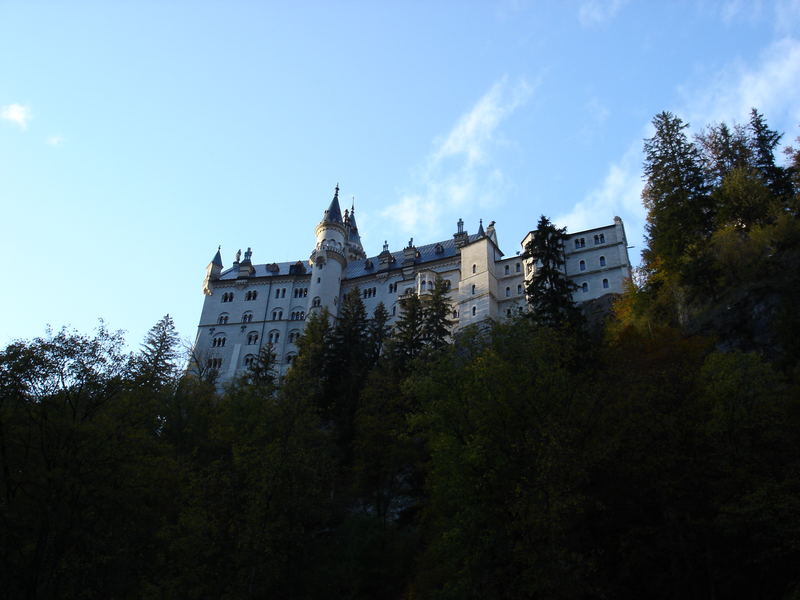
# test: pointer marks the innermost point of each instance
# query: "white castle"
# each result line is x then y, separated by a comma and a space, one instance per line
251, 305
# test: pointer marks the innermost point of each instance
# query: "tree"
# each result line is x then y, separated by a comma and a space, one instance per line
763, 142
436, 322
156, 364
549, 291
378, 331
407, 336
676, 197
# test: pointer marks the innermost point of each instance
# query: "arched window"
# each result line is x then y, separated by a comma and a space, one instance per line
519, 288
290, 359
227, 297
252, 338
249, 360
294, 335
474, 267
473, 288
585, 287
274, 336
602, 261
602, 238
508, 292
277, 314
223, 318
247, 317
251, 295
474, 310
582, 265
605, 284
316, 301
218, 341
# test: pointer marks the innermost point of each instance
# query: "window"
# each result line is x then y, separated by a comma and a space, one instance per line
294, 335
274, 336
474, 311
580, 242
290, 358
277, 314
223, 318
605, 284
392, 288
596, 240
394, 309
508, 292
585, 287
249, 360
316, 301
252, 338
582, 265
247, 317
507, 269
602, 261
214, 363
519, 267
447, 284
508, 312
519, 288
227, 297
602, 238
298, 315
218, 341
455, 314
251, 295
473, 288
474, 267
318, 279
277, 293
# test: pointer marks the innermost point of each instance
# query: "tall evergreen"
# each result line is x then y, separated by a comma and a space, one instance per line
378, 331
407, 336
436, 321
763, 141
157, 363
679, 214
549, 291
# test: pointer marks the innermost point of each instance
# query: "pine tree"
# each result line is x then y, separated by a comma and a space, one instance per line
156, 364
436, 322
763, 142
378, 331
679, 214
549, 291
407, 336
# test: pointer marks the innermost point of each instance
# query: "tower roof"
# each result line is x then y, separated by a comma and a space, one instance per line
217, 260
334, 213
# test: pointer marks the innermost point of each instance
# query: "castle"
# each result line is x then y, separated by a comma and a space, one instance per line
251, 305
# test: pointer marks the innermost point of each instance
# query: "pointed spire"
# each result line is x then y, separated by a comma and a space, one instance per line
217, 260
481, 232
334, 213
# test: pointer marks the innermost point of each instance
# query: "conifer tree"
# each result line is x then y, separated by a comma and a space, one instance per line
676, 196
763, 141
549, 291
378, 331
407, 336
156, 364
436, 322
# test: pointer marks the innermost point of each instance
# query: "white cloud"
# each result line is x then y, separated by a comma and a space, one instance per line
618, 195
598, 12
16, 113
458, 173
54, 140
771, 86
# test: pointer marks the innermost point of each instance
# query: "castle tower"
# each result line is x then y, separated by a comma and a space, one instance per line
355, 250
213, 271
328, 260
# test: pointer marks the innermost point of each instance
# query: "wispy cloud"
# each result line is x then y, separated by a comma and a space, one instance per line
770, 84
54, 140
599, 12
16, 113
459, 171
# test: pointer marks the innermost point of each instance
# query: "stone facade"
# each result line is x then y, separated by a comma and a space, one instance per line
250, 305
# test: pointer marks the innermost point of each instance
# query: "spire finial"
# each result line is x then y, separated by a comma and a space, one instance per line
336, 193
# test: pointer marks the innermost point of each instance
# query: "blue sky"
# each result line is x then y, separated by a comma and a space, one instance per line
135, 137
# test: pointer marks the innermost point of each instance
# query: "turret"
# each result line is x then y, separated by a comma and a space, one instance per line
213, 271
355, 250
328, 259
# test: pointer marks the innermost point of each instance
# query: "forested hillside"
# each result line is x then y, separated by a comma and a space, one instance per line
656, 455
